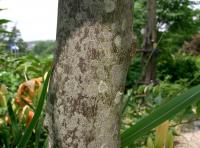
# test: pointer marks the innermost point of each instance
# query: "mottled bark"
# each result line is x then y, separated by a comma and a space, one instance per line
94, 41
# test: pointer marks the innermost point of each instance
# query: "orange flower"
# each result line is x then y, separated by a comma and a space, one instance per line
26, 91
29, 118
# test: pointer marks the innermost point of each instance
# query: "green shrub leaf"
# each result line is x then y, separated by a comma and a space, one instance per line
162, 113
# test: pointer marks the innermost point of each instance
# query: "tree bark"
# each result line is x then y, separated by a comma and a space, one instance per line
94, 40
149, 45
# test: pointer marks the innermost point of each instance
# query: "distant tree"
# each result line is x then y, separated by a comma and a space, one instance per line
3, 33
180, 21
14, 39
11, 40
177, 21
44, 47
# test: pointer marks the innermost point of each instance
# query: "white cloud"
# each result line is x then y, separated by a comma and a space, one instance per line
36, 19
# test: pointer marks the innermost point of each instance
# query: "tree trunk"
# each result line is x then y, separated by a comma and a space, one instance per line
149, 45
94, 43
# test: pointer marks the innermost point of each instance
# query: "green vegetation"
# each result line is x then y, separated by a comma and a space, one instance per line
23, 89
177, 71
44, 48
21, 93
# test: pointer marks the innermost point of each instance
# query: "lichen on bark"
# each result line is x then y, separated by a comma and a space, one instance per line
89, 73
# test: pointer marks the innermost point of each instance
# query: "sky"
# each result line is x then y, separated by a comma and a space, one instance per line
36, 19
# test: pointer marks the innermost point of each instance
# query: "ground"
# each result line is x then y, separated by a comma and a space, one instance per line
190, 137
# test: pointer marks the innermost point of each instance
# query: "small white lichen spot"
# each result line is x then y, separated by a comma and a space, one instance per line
49, 143
118, 97
104, 146
118, 42
109, 6
102, 87
114, 27
69, 140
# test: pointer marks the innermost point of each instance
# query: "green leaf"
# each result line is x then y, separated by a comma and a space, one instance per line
5, 135
4, 21
150, 143
38, 133
162, 113
14, 125
198, 108
3, 111
24, 139
170, 140
45, 143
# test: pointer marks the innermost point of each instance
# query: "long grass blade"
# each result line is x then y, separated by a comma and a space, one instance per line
161, 114
37, 134
14, 125
23, 141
